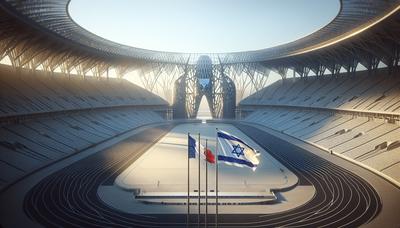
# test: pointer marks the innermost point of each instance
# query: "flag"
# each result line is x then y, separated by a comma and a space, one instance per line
193, 150
209, 156
236, 151
192, 147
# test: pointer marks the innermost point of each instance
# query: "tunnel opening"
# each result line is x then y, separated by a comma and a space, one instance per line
204, 112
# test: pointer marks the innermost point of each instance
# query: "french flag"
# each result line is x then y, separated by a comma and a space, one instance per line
193, 150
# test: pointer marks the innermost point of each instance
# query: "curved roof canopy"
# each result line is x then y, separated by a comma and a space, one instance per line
52, 17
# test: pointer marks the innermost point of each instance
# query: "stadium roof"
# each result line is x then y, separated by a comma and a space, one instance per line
50, 24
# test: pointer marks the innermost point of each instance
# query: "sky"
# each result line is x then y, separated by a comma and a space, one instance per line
203, 26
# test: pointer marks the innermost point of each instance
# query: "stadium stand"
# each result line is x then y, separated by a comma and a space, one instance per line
28, 92
362, 92
47, 117
355, 116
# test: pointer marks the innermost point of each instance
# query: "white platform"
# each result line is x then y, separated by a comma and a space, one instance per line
162, 170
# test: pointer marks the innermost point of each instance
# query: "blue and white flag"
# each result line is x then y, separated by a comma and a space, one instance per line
236, 152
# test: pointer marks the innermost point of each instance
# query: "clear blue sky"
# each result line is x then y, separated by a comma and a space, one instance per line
203, 26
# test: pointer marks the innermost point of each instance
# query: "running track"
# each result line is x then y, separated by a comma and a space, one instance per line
69, 196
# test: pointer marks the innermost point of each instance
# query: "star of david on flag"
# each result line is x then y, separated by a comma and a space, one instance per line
236, 152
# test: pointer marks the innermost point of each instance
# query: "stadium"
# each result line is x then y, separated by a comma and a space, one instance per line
82, 144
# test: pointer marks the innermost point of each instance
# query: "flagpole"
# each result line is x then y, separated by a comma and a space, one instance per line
188, 187
216, 181
198, 216
205, 218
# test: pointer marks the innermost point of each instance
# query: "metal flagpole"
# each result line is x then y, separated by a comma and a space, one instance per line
216, 181
198, 216
205, 218
188, 186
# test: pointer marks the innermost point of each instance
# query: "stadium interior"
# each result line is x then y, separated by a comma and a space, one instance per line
82, 145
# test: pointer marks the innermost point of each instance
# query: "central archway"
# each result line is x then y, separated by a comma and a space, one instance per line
210, 81
204, 112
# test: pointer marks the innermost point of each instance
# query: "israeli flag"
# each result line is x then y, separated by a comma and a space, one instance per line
236, 151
